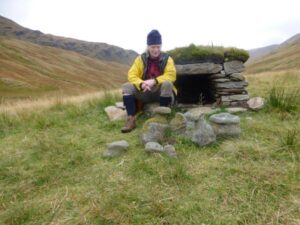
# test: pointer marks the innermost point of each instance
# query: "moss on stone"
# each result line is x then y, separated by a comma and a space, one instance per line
155, 119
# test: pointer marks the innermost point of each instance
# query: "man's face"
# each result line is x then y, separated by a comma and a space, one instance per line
154, 50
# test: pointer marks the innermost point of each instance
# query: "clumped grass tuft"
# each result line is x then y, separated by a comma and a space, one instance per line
289, 140
236, 54
283, 99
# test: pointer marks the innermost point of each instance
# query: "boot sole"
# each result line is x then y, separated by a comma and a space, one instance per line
127, 131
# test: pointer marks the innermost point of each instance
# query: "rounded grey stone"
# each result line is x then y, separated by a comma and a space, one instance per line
170, 151
224, 118
116, 148
153, 147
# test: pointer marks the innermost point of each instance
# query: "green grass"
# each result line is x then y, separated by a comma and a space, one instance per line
219, 54
283, 99
52, 172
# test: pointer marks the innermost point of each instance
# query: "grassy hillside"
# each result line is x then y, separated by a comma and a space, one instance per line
103, 51
29, 70
285, 57
52, 172
257, 53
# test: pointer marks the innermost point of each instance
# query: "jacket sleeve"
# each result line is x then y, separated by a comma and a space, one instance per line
169, 72
135, 73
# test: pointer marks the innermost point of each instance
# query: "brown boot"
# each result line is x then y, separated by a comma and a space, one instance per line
130, 125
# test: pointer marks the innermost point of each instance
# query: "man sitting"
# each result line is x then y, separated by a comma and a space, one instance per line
150, 79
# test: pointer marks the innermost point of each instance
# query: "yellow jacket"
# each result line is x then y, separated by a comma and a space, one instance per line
137, 70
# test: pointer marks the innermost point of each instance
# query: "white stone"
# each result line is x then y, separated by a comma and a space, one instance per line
224, 118
120, 105
115, 114
256, 103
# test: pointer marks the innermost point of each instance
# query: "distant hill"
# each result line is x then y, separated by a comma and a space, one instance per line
257, 53
281, 57
102, 51
29, 70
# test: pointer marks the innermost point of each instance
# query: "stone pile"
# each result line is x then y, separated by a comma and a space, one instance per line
191, 125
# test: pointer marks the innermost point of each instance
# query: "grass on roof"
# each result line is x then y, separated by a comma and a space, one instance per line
217, 54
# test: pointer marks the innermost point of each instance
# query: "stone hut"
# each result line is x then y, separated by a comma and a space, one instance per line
211, 75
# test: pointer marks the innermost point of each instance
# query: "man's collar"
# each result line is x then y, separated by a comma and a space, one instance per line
148, 55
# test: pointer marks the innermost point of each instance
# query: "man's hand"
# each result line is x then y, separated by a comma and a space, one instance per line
148, 85
145, 87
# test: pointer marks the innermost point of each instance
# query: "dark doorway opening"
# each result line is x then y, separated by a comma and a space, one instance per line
195, 89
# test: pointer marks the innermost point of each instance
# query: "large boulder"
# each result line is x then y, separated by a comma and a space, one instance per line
198, 68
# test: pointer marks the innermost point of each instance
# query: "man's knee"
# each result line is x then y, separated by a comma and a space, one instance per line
128, 88
166, 89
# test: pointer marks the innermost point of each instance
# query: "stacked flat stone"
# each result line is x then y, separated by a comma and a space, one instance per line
227, 80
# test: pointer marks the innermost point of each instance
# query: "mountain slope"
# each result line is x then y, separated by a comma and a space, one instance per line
29, 69
102, 51
286, 56
257, 53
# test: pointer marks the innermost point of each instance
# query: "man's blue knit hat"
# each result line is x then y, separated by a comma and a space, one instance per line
154, 38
